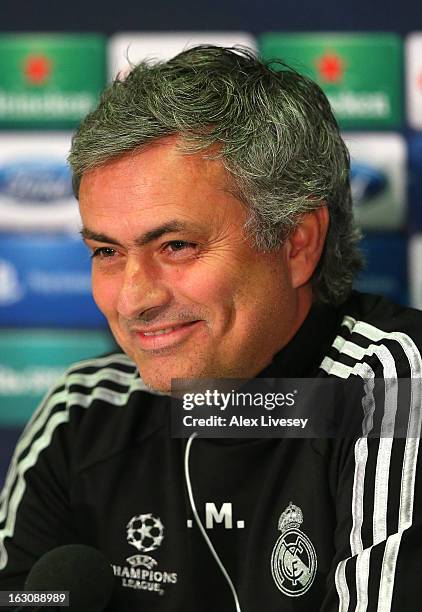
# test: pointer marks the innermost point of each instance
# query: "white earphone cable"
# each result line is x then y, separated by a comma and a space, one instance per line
201, 527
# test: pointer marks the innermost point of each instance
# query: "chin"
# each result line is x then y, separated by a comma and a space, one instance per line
154, 380
160, 380
157, 387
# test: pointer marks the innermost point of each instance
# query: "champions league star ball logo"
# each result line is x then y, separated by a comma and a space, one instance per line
145, 532
143, 573
294, 561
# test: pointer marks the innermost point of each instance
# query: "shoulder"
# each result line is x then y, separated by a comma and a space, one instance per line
378, 333
97, 409
109, 379
364, 311
107, 388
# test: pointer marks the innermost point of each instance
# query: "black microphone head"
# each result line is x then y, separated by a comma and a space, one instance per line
79, 569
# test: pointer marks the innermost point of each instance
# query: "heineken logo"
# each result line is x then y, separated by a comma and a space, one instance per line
37, 69
330, 67
413, 65
48, 105
49, 79
365, 105
360, 74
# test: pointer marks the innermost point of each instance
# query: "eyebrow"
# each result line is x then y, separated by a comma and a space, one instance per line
146, 238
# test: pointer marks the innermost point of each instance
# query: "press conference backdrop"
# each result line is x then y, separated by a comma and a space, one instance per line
48, 82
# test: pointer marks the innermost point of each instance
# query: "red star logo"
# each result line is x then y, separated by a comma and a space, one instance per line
37, 69
330, 67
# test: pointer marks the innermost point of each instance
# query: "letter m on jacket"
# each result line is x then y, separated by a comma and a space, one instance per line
224, 514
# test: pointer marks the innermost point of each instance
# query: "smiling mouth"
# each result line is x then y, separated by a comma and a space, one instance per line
165, 337
160, 332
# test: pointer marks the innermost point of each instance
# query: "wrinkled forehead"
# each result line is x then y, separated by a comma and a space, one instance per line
163, 163
156, 186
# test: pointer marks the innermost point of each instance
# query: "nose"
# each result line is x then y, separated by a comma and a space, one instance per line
141, 289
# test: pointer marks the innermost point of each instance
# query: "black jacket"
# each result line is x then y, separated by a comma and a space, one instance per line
297, 524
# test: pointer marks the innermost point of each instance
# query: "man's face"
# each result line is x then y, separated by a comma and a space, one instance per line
184, 292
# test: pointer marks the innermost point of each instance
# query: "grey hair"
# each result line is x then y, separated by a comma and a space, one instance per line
276, 136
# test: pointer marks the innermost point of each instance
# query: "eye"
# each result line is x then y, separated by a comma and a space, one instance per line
103, 252
176, 246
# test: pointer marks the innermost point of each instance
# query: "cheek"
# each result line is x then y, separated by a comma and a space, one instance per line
205, 286
261, 296
104, 292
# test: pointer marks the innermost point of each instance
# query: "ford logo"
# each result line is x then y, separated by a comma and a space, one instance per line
33, 181
367, 183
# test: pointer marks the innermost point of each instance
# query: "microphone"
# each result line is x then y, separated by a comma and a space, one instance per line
81, 570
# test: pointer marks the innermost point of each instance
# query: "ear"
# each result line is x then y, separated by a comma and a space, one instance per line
305, 245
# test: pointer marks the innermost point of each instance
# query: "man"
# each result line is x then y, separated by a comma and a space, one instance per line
215, 201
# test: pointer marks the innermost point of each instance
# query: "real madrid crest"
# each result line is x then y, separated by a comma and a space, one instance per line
293, 561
